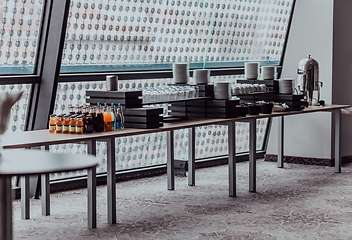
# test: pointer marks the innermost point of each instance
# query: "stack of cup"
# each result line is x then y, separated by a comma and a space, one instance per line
251, 70
111, 83
222, 90
180, 73
285, 86
268, 73
201, 76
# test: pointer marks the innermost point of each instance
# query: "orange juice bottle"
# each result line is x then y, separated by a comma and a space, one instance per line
79, 125
58, 124
52, 123
66, 124
107, 119
72, 127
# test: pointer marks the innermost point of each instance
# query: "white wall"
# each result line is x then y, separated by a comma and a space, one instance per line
311, 33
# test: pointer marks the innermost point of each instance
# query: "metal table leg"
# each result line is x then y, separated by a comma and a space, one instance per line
232, 158
5, 208
111, 180
25, 212
92, 188
170, 161
45, 187
252, 154
191, 157
337, 128
280, 153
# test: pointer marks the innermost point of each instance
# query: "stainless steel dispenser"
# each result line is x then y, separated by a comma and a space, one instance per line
308, 82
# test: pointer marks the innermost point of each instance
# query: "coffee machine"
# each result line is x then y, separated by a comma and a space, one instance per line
308, 82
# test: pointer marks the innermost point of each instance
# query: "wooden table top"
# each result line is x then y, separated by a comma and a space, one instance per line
30, 162
43, 137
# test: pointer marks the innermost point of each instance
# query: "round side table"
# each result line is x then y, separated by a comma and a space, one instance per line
34, 162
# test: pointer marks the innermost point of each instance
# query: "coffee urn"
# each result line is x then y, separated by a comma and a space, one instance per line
308, 82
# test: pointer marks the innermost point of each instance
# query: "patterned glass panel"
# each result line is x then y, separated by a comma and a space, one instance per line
124, 35
19, 110
19, 32
150, 149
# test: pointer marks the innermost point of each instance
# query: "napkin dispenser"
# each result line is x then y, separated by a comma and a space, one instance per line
308, 82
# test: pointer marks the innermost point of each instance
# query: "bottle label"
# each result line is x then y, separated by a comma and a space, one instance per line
59, 128
52, 127
72, 129
79, 129
66, 128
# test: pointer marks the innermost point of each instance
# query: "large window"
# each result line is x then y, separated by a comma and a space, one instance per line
124, 35
19, 35
117, 36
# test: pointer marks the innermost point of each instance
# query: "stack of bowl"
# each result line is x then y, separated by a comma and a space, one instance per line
201, 76
251, 70
285, 86
222, 90
268, 73
180, 73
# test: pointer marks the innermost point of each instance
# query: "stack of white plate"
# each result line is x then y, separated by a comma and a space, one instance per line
201, 76
285, 86
222, 90
180, 73
268, 73
251, 70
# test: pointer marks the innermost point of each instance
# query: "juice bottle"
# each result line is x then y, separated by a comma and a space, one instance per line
79, 124
121, 115
59, 124
72, 110
89, 124
107, 118
66, 124
72, 128
92, 112
52, 123
78, 110
113, 118
99, 120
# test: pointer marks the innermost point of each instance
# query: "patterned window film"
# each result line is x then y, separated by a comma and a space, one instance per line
123, 35
19, 33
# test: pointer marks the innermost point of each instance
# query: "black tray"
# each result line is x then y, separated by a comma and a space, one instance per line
222, 103
221, 110
143, 119
146, 111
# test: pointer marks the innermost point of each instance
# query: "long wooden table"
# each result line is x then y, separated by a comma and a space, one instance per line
43, 138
